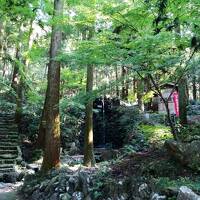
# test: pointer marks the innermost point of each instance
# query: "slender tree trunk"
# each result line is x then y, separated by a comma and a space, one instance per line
5, 67
17, 85
40, 143
169, 119
140, 90
52, 118
148, 89
199, 86
117, 79
183, 100
89, 159
29, 42
124, 85
171, 124
127, 84
194, 88
134, 85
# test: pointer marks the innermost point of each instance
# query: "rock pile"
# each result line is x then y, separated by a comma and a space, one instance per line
61, 184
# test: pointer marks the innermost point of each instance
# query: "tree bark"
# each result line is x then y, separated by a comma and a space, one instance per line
89, 159
16, 83
194, 88
199, 86
40, 143
117, 79
169, 119
140, 90
51, 108
124, 84
183, 100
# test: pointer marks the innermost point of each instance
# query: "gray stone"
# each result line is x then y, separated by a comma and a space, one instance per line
144, 191
77, 196
10, 177
30, 171
65, 196
156, 196
34, 167
73, 149
186, 193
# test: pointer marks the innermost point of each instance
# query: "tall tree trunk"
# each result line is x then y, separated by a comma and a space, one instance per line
51, 108
165, 101
40, 143
140, 91
183, 100
134, 85
89, 159
127, 84
194, 88
16, 84
124, 84
117, 79
169, 119
148, 89
199, 86
5, 67
29, 42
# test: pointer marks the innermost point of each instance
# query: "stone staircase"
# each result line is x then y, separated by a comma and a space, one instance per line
10, 153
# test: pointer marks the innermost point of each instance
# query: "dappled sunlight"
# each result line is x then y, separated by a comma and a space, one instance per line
156, 133
99, 99
56, 130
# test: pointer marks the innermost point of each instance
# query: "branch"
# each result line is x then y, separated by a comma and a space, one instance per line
157, 88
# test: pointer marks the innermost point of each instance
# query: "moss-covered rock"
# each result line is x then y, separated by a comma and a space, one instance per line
186, 153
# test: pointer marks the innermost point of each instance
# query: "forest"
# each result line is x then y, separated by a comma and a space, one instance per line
99, 100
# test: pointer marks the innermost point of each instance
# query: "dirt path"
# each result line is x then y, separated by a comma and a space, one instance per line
8, 191
8, 196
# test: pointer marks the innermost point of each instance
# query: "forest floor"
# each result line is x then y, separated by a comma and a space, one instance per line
8, 191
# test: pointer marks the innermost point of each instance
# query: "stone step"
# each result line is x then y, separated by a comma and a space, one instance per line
7, 114
3, 136
10, 151
5, 122
8, 147
8, 132
4, 171
7, 161
5, 166
3, 119
8, 127
9, 140
8, 156
2, 124
7, 143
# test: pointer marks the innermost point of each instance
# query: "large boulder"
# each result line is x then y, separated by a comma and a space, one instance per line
186, 193
187, 154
